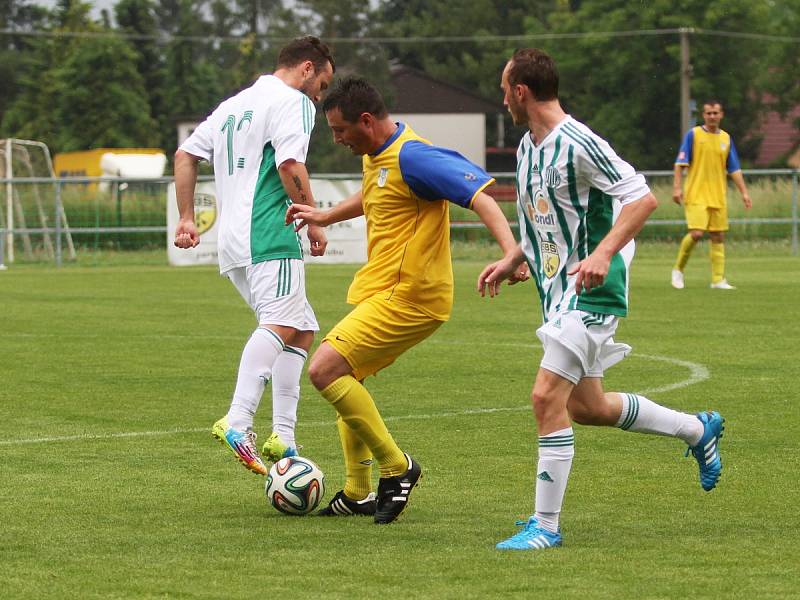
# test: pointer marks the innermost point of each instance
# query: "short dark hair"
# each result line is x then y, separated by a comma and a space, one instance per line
306, 48
534, 68
712, 102
354, 96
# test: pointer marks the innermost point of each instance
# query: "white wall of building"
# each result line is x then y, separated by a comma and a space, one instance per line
464, 132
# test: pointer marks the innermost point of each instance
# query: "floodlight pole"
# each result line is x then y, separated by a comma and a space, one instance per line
9, 204
686, 72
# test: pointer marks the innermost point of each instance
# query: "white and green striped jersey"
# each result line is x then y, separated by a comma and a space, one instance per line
247, 137
569, 190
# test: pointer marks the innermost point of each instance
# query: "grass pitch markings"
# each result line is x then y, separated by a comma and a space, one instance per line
697, 373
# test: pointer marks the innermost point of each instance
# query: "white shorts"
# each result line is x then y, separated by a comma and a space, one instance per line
580, 344
276, 291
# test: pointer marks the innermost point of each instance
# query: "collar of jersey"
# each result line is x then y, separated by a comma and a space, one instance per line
551, 133
400, 128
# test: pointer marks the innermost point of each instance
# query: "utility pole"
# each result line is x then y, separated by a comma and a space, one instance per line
686, 72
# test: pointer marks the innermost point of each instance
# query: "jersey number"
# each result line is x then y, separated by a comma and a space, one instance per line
228, 127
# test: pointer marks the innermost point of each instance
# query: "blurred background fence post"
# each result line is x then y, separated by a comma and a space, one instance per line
795, 177
58, 216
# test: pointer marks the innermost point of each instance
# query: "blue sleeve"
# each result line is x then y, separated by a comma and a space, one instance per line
732, 164
685, 153
435, 173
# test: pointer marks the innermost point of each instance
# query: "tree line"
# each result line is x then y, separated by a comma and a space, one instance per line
125, 79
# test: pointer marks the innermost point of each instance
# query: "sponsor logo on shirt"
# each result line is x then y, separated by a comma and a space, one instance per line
540, 214
550, 259
681, 155
470, 176
382, 176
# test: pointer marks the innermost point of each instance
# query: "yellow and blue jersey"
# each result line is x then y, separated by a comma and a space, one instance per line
405, 188
710, 157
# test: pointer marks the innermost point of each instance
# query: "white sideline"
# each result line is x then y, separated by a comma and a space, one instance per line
697, 373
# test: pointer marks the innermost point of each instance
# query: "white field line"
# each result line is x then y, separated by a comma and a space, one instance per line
697, 373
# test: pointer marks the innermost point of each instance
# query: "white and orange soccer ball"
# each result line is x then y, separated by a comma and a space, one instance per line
295, 485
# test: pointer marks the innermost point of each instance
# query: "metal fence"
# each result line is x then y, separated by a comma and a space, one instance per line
45, 219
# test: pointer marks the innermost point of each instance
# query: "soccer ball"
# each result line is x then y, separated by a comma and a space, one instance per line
295, 485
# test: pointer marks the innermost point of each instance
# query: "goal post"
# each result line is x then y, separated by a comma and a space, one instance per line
30, 160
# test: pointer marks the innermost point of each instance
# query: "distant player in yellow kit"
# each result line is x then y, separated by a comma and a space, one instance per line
405, 290
709, 153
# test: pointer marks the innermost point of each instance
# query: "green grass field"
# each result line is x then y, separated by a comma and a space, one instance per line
112, 487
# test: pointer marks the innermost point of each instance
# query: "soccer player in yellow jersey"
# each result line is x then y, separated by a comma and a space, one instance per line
405, 290
709, 153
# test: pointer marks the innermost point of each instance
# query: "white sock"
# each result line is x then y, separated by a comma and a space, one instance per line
255, 369
555, 461
645, 416
286, 392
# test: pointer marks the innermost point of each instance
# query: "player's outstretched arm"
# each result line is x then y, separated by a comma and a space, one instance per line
592, 271
294, 178
186, 235
349, 208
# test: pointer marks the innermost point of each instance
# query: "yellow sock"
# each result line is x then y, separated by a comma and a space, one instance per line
357, 409
717, 261
687, 245
357, 462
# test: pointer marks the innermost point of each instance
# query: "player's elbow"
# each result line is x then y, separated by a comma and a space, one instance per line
287, 166
649, 203
185, 159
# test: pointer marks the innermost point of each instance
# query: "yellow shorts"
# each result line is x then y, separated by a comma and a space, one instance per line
377, 331
699, 216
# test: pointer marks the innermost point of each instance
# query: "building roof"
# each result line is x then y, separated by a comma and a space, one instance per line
418, 92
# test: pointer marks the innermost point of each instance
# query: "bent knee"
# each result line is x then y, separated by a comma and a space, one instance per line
326, 366
545, 406
318, 374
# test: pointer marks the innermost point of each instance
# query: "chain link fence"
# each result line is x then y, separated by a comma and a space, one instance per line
52, 220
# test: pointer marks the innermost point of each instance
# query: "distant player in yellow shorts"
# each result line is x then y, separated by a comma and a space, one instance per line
709, 153
405, 290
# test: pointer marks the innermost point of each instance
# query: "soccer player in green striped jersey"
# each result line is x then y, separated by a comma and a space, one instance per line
257, 141
579, 207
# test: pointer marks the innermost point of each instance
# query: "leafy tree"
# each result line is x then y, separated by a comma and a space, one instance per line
334, 20
256, 17
782, 77
31, 115
475, 64
81, 92
193, 86
627, 88
14, 49
139, 17
101, 98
